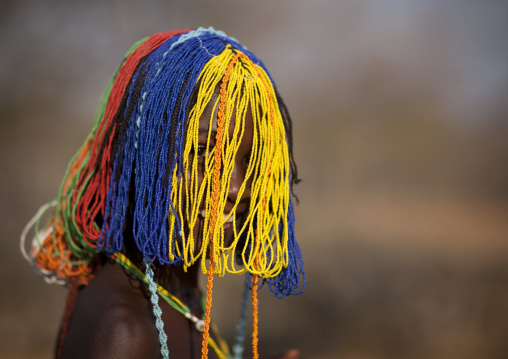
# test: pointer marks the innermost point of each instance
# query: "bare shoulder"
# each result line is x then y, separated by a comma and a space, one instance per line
111, 320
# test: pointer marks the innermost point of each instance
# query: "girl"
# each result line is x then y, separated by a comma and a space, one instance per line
188, 169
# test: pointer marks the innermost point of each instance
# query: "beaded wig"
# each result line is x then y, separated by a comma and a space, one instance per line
140, 165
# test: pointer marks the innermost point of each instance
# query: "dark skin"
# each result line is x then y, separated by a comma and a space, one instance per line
113, 315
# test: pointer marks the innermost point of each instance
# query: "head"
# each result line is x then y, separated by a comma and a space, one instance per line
194, 139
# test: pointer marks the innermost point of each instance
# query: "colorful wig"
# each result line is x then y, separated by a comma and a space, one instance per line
141, 154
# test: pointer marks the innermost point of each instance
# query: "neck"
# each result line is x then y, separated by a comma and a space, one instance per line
175, 279
182, 284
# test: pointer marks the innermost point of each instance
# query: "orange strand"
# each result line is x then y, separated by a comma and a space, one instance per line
209, 287
255, 340
215, 199
55, 256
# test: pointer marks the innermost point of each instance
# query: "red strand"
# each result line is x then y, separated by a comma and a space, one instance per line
91, 190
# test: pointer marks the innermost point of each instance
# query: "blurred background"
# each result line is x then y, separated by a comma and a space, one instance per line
400, 112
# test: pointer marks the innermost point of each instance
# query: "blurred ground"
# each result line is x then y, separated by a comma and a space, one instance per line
400, 119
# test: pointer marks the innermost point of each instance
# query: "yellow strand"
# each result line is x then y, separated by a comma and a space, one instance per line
216, 348
215, 199
248, 90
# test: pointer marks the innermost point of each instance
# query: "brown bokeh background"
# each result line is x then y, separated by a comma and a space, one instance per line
400, 110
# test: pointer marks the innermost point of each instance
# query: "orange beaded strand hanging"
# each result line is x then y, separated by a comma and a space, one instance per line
255, 339
215, 195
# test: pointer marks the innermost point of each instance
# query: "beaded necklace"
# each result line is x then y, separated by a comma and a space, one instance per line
221, 348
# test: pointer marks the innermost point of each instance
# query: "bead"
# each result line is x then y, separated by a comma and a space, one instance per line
200, 325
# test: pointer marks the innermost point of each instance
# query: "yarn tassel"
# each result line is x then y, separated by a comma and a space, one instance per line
145, 134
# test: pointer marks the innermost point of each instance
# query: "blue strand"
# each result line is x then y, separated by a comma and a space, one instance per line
239, 346
288, 282
168, 84
163, 338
